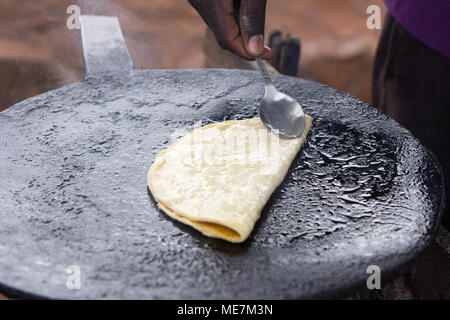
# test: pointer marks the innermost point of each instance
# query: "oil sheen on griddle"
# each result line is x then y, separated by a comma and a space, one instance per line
350, 170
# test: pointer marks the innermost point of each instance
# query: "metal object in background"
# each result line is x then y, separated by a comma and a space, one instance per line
286, 52
362, 191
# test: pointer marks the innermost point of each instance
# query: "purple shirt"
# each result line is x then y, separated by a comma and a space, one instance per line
427, 20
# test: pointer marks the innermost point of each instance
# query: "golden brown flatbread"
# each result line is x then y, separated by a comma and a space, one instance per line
218, 178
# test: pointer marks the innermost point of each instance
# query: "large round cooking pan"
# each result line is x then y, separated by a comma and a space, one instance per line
74, 201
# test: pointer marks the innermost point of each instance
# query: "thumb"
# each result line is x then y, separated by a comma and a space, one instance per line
252, 17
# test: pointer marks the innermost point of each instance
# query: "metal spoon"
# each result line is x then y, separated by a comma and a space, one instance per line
278, 111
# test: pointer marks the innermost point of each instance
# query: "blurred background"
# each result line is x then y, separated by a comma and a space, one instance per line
39, 53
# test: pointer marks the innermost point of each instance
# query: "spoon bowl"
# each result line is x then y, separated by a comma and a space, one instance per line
279, 112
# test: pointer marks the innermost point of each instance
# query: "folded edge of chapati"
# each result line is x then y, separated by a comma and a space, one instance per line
235, 231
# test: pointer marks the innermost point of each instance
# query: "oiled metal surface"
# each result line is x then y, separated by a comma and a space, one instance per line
73, 168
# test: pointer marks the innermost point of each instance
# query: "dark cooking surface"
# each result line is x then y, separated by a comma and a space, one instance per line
74, 164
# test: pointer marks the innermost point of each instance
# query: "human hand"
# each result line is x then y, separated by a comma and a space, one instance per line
238, 25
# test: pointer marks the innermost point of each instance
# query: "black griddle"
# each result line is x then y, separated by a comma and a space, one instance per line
362, 191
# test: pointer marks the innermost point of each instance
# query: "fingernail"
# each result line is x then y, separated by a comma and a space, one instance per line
256, 44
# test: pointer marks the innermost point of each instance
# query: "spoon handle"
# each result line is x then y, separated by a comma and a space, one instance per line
264, 72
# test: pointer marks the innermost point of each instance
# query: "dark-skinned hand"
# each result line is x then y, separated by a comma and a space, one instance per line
238, 25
